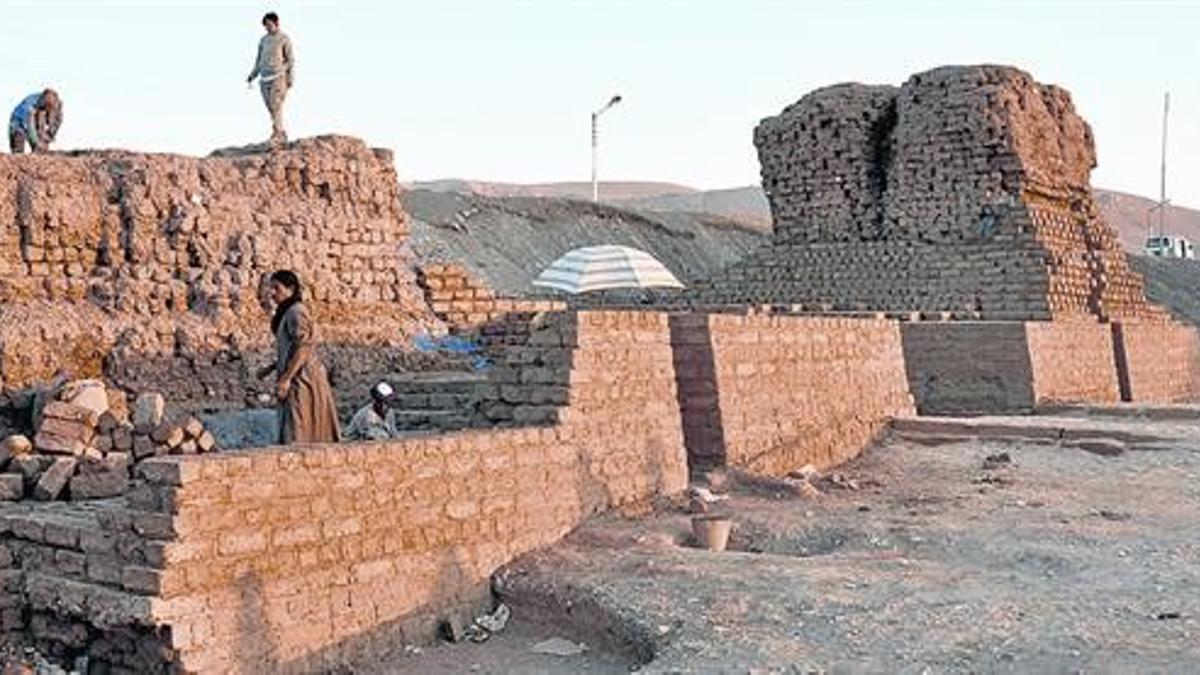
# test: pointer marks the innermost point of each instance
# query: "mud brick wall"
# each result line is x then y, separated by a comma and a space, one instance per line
467, 304
968, 367
291, 559
76, 582
154, 265
992, 367
770, 394
965, 190
1158, 362
1072, 362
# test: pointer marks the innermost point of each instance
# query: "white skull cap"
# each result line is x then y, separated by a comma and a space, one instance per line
383, 389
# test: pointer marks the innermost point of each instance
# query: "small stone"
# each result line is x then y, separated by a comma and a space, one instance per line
193, 428
207, 442
188, 447
103, 443
52, 482
12, 487
17, 444
28, 466
148, 412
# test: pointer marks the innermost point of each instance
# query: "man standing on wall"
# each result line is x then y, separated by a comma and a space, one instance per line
273, 67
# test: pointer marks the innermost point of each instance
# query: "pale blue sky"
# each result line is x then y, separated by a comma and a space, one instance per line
501, 90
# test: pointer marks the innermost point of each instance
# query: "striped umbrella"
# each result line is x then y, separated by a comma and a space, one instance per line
594, 268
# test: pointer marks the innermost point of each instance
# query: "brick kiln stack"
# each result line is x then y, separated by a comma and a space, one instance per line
150, 267
965, 190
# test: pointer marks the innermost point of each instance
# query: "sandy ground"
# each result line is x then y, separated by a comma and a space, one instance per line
1057, 561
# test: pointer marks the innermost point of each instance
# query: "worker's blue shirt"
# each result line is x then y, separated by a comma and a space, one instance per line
23, 113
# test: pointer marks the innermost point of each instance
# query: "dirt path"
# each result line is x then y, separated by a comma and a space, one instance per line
1058, 561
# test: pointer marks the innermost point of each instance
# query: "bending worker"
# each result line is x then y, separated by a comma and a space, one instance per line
376, 421
36, 119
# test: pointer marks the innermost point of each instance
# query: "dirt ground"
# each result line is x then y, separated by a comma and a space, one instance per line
1059, 560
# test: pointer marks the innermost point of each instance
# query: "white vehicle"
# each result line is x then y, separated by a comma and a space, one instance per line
1170, 247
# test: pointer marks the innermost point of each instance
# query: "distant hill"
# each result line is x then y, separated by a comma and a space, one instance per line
1131, 214
609, 192
748, 205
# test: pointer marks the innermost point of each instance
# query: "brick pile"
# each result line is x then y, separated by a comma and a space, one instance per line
82, 452
963, 191
153, 266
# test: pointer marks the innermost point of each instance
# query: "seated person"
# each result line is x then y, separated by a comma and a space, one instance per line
376, 421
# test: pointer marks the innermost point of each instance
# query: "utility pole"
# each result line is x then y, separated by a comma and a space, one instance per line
1162, 183
595, 142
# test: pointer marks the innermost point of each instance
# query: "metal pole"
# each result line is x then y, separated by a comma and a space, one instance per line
595, 185
1162, 184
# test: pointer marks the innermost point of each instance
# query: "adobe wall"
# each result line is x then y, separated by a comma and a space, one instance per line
1072, 362
149, 268
770, 394
291, 559
1159, 362
991, 367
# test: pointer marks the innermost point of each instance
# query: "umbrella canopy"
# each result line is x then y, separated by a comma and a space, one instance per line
595, 268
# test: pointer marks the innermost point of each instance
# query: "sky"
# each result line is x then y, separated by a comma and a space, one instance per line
502, 90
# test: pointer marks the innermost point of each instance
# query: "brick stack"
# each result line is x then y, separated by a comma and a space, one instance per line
466, 304
79, 454
964, 191
161, 260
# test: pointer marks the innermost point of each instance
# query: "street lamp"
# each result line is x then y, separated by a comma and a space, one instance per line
595, 116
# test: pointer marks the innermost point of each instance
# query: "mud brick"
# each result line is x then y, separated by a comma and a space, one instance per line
207, 442
187, 447
55, 444
148, 411
122, 438
107, 423
70, 413
167, 434
12, 487
99, 484
103, 443
52, 482
193, 428
143, 447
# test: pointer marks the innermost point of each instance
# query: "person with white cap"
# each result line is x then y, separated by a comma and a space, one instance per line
375, 421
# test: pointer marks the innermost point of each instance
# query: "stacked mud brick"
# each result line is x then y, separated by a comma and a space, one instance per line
81, 453
964, 191
154, 266
741, 402
467, 304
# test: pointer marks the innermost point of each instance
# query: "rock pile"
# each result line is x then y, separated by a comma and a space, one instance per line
84, 448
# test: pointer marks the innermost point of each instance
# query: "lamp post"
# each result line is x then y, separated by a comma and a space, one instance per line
596, 116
